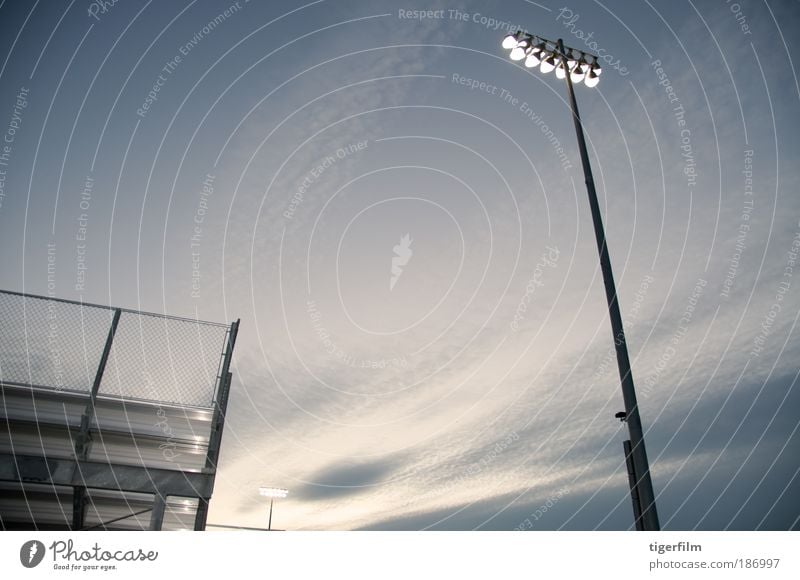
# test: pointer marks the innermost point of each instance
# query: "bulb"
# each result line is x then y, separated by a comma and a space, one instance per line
577, 73
525, 43
533, 58
572, 61
517, 53
548, 63
561, 72
591, 79
510, 41
576, 76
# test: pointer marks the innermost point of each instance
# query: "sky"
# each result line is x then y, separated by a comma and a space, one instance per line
397, 214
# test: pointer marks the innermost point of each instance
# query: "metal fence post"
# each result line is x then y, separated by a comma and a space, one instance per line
218, 422
83, 440
82, 444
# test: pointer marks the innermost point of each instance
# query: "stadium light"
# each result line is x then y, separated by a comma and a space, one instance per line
538, 51
272, 493
577, 66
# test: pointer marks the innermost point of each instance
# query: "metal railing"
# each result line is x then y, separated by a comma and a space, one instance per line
59, 344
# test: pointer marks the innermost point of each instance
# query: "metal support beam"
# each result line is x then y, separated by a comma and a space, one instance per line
221, 402
83, 440
201, 516
78, 507
217, 424
157, 516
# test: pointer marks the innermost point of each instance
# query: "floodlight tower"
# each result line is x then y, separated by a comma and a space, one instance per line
577, 66
272, 493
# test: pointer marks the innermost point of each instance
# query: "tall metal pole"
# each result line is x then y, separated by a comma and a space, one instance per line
269, 526
638, 453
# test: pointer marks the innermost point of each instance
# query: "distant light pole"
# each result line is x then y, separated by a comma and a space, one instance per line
272, 493
576, 66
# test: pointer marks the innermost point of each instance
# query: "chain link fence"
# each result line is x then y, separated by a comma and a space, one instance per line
58, 344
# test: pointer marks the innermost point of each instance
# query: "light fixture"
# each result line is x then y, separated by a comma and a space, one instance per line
595, 66
521, 50
511, 40
573, 62
534, 57
578, 72
592, 79
572, 59
548, 63
273, 492
517, 53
